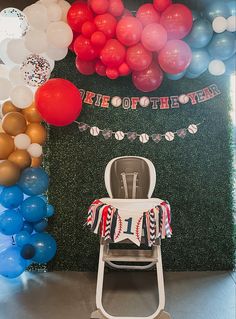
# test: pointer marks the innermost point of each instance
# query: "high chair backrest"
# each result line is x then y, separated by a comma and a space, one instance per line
130, 177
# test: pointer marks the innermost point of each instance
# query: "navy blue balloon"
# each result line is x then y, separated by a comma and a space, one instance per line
50, 210
41, 225
200, 61
222, 46
22, 238
216, 9
12, 264
34, 181
232, 7
200, 35
27, 226
11, 222
45, 246
11, 197
230, 65
27, 251
33, 209
175, 77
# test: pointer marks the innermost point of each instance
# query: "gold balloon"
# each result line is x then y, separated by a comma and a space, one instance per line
14, 123
32, 114
21, 158
37, 133
6, 145
36, 161
9, 173
8, 107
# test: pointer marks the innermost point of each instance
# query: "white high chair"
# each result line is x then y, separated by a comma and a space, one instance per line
130, 182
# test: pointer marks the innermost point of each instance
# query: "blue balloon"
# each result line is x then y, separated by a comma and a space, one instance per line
1, 188
200, 35
232, 7
33, 209
27, 251
5, 241
41, 225
222, 46
45, 246
27, 226
175, 77
200, 61
22, 238
50, 210
11, 197
216, 9
190, 75
12, 264
230, 65
11, 222
44, 198
196, 15
34, 181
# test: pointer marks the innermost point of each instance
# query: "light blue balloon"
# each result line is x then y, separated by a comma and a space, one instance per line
34, 181
230, 65
41, 225
33, 209
11, 197
12, 264
22, 238
45, 246
27, 226
222, 46
175, 77
50, 210
200, 61
5, 242
216, 9
11, 222
200, 35
232, 7
196, 15
190, 75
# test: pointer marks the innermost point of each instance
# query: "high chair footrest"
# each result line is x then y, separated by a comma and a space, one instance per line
130, 255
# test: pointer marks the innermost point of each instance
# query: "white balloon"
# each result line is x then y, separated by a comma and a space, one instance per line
17, 51
37, 16
216, 67
48, 2
56, 54
35, 150
59, 34
5, 88
3, 53
16, 76
4, 71
65, 6
231, 24
22, 141
219, 24
36, 41
54, 12
21, 96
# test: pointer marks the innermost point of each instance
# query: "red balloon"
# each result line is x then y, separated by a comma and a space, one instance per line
154, 37
99, 6
126, 13
88, 28
106, 23
175, 57
147, 14
112, 73
113, 53
98, 39
116, 8
84, 49
100, 68
129, 30
124, 69
149, 79
177, 19
161, 5
138, 58
85, 67
78, 14
58, 102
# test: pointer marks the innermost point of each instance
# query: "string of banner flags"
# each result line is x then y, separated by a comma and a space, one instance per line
143, 137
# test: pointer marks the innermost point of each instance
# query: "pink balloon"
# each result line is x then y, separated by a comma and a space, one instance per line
147, 14
175, 57
116, 8
129, 30
161, 5
177, 19
99, 6
113, 53
149, 79
85, 67
138, 58
154, 37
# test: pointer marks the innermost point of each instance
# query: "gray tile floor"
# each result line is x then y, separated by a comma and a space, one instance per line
71, 295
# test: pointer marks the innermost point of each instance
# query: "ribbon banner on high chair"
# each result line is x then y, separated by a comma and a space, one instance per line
117, 225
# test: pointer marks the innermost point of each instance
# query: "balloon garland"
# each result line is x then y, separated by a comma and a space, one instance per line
162, 39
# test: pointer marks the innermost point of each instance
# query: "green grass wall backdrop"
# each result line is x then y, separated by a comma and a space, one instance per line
193, 174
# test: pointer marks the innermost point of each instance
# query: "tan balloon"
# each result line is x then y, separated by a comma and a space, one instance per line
6, 145
9, 173
14, 123
36, 161
37, 133
31, 114
21, 158
8, 107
